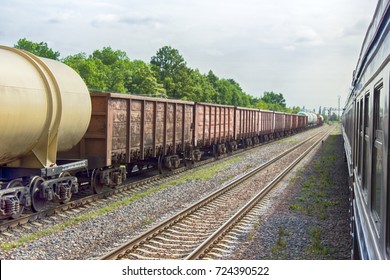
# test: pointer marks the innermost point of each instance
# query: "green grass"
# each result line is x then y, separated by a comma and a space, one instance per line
278, 250
201, 174
316, 248
314, 198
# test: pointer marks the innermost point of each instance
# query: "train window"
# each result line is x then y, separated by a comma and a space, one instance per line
366, 142
377, 158
359, 138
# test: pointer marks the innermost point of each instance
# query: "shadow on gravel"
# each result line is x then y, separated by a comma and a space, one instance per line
311, 220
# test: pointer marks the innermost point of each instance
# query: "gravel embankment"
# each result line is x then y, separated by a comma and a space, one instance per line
87, 234
311, 219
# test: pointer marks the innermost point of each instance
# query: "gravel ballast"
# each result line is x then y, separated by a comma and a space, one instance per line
311, 219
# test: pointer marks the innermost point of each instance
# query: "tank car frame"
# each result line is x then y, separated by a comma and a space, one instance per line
45, 107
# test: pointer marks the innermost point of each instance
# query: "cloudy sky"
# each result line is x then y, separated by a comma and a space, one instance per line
304, 49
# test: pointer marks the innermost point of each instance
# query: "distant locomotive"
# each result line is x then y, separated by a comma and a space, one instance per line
366, 141
56, 137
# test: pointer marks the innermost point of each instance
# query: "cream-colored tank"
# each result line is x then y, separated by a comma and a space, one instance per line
45, 107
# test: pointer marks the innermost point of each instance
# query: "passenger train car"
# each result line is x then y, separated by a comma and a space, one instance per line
366, 140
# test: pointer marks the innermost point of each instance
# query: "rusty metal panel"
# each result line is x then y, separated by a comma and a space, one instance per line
247, 122
118, 115
302, 121
230, 123
279, 121
266, 122
135, 121
96, 135
213, 123
207, 126
171, 125
257, 122
149, 123
178, 124
288, 121
294, 121
237, 123
188, 123
93, 145
160, 125
199, 124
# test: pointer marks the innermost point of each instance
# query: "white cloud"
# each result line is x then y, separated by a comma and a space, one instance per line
278, 45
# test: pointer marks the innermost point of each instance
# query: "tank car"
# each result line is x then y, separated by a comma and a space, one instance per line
44, 108
366, 141
311, 118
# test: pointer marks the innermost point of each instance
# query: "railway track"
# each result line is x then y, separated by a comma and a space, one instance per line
85, 199
196, 231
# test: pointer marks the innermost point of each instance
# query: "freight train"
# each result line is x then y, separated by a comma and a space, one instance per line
366, 141
57, 137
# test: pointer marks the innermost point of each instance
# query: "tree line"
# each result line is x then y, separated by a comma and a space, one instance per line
166, 75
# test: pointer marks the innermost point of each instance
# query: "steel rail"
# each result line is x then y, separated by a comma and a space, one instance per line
140, 240
204, 248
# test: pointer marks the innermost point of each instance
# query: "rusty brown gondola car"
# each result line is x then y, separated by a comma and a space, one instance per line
127, 131
247, 126
214, 129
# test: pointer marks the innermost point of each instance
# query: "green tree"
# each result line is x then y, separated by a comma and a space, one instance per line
91, 71
106, 69
204, 91
167, 62
40, 49
143, 81
172, 72
274, 98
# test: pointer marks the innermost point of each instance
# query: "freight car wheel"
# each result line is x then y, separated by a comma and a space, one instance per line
63, 175
161, 167
189, 163
96, 184
38, 203
19, 195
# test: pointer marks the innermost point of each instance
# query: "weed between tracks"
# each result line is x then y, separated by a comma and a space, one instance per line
201, 174
314, 198
278, 250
